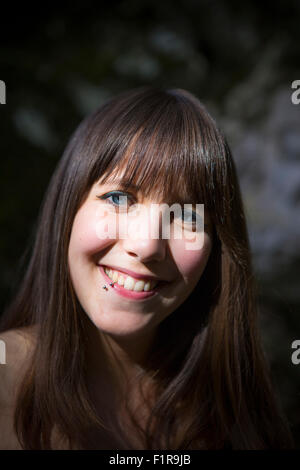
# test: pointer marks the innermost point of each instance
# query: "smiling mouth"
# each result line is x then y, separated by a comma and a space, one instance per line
129, 282
129, 286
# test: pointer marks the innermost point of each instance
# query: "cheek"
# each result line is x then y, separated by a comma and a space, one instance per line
191, 263
86, 238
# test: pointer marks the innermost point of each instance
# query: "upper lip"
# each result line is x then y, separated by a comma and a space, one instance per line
133, 274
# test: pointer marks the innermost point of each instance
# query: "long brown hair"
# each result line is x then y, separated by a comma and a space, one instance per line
213, 387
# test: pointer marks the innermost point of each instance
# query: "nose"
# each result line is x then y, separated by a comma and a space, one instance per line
144, 239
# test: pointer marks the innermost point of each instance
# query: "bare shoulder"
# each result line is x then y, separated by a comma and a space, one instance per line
16, 348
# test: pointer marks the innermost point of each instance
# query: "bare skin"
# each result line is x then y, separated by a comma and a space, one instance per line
128, 327
18, 345
115, 380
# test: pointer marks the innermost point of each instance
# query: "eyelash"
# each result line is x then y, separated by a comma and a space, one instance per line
106, 197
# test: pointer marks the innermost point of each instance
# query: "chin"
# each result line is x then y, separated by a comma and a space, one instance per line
123, 323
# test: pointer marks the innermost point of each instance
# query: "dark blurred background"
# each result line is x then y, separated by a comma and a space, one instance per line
60, 62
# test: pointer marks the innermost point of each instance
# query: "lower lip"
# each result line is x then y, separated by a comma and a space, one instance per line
131, 294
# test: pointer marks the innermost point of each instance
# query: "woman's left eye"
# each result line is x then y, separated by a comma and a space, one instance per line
192, 220
189, 217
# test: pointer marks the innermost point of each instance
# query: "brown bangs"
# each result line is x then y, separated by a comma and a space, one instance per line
160, 151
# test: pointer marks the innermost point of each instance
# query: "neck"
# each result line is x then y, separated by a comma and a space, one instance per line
129, 353
117, 357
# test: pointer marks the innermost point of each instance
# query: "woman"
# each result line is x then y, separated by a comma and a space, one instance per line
113, 359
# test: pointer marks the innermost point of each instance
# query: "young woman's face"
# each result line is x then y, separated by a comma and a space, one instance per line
117, 310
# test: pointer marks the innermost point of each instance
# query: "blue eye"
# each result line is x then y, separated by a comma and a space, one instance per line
120, 199
192, 220
116, 194
186, 217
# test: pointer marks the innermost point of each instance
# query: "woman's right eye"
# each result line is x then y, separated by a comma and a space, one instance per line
116, 198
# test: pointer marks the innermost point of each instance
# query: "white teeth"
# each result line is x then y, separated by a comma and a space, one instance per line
129, 282
139, 286
147, 286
